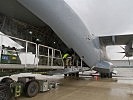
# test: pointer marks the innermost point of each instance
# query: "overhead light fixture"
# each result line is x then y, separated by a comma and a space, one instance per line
30, 32
37, 40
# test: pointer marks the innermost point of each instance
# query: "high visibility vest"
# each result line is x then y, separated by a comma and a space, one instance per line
65, 56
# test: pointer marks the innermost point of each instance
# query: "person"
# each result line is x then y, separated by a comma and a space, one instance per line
65, 59
65, 56
68, 58
74, 58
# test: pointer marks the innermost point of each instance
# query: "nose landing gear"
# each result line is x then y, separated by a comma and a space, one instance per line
106, 75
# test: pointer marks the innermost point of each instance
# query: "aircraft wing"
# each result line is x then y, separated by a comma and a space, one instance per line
115, 39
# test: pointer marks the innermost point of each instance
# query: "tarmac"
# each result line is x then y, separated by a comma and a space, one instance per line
120, 87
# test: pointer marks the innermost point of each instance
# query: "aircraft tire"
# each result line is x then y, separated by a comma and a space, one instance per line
77, 74
32, 88
73, 74
70, 74
102, 75
106, 75
65, 74
110, 75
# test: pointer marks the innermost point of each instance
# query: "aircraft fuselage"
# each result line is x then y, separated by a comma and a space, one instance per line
70, 28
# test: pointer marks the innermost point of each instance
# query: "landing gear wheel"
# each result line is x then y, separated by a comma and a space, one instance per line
110, 75
32, 88
102, 75
106, 75
65, 74
73, 74
77, 74
70, 74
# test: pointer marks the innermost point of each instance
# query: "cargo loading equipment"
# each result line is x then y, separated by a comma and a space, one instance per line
25, 86
20, 56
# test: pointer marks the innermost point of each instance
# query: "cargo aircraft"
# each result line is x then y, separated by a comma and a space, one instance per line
66, 23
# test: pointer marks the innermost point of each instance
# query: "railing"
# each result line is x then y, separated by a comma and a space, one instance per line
18, 51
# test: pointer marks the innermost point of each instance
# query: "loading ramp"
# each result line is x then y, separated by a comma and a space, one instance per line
72, 69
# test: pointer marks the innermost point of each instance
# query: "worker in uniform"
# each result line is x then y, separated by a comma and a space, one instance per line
69, 58
65, 59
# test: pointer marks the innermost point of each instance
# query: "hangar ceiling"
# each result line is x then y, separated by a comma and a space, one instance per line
15, 10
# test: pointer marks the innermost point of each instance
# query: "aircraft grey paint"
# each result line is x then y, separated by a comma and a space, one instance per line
70, 28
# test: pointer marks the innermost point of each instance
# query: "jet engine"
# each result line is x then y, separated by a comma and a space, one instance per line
128, 50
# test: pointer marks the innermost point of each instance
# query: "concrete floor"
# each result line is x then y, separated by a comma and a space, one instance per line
88, 89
